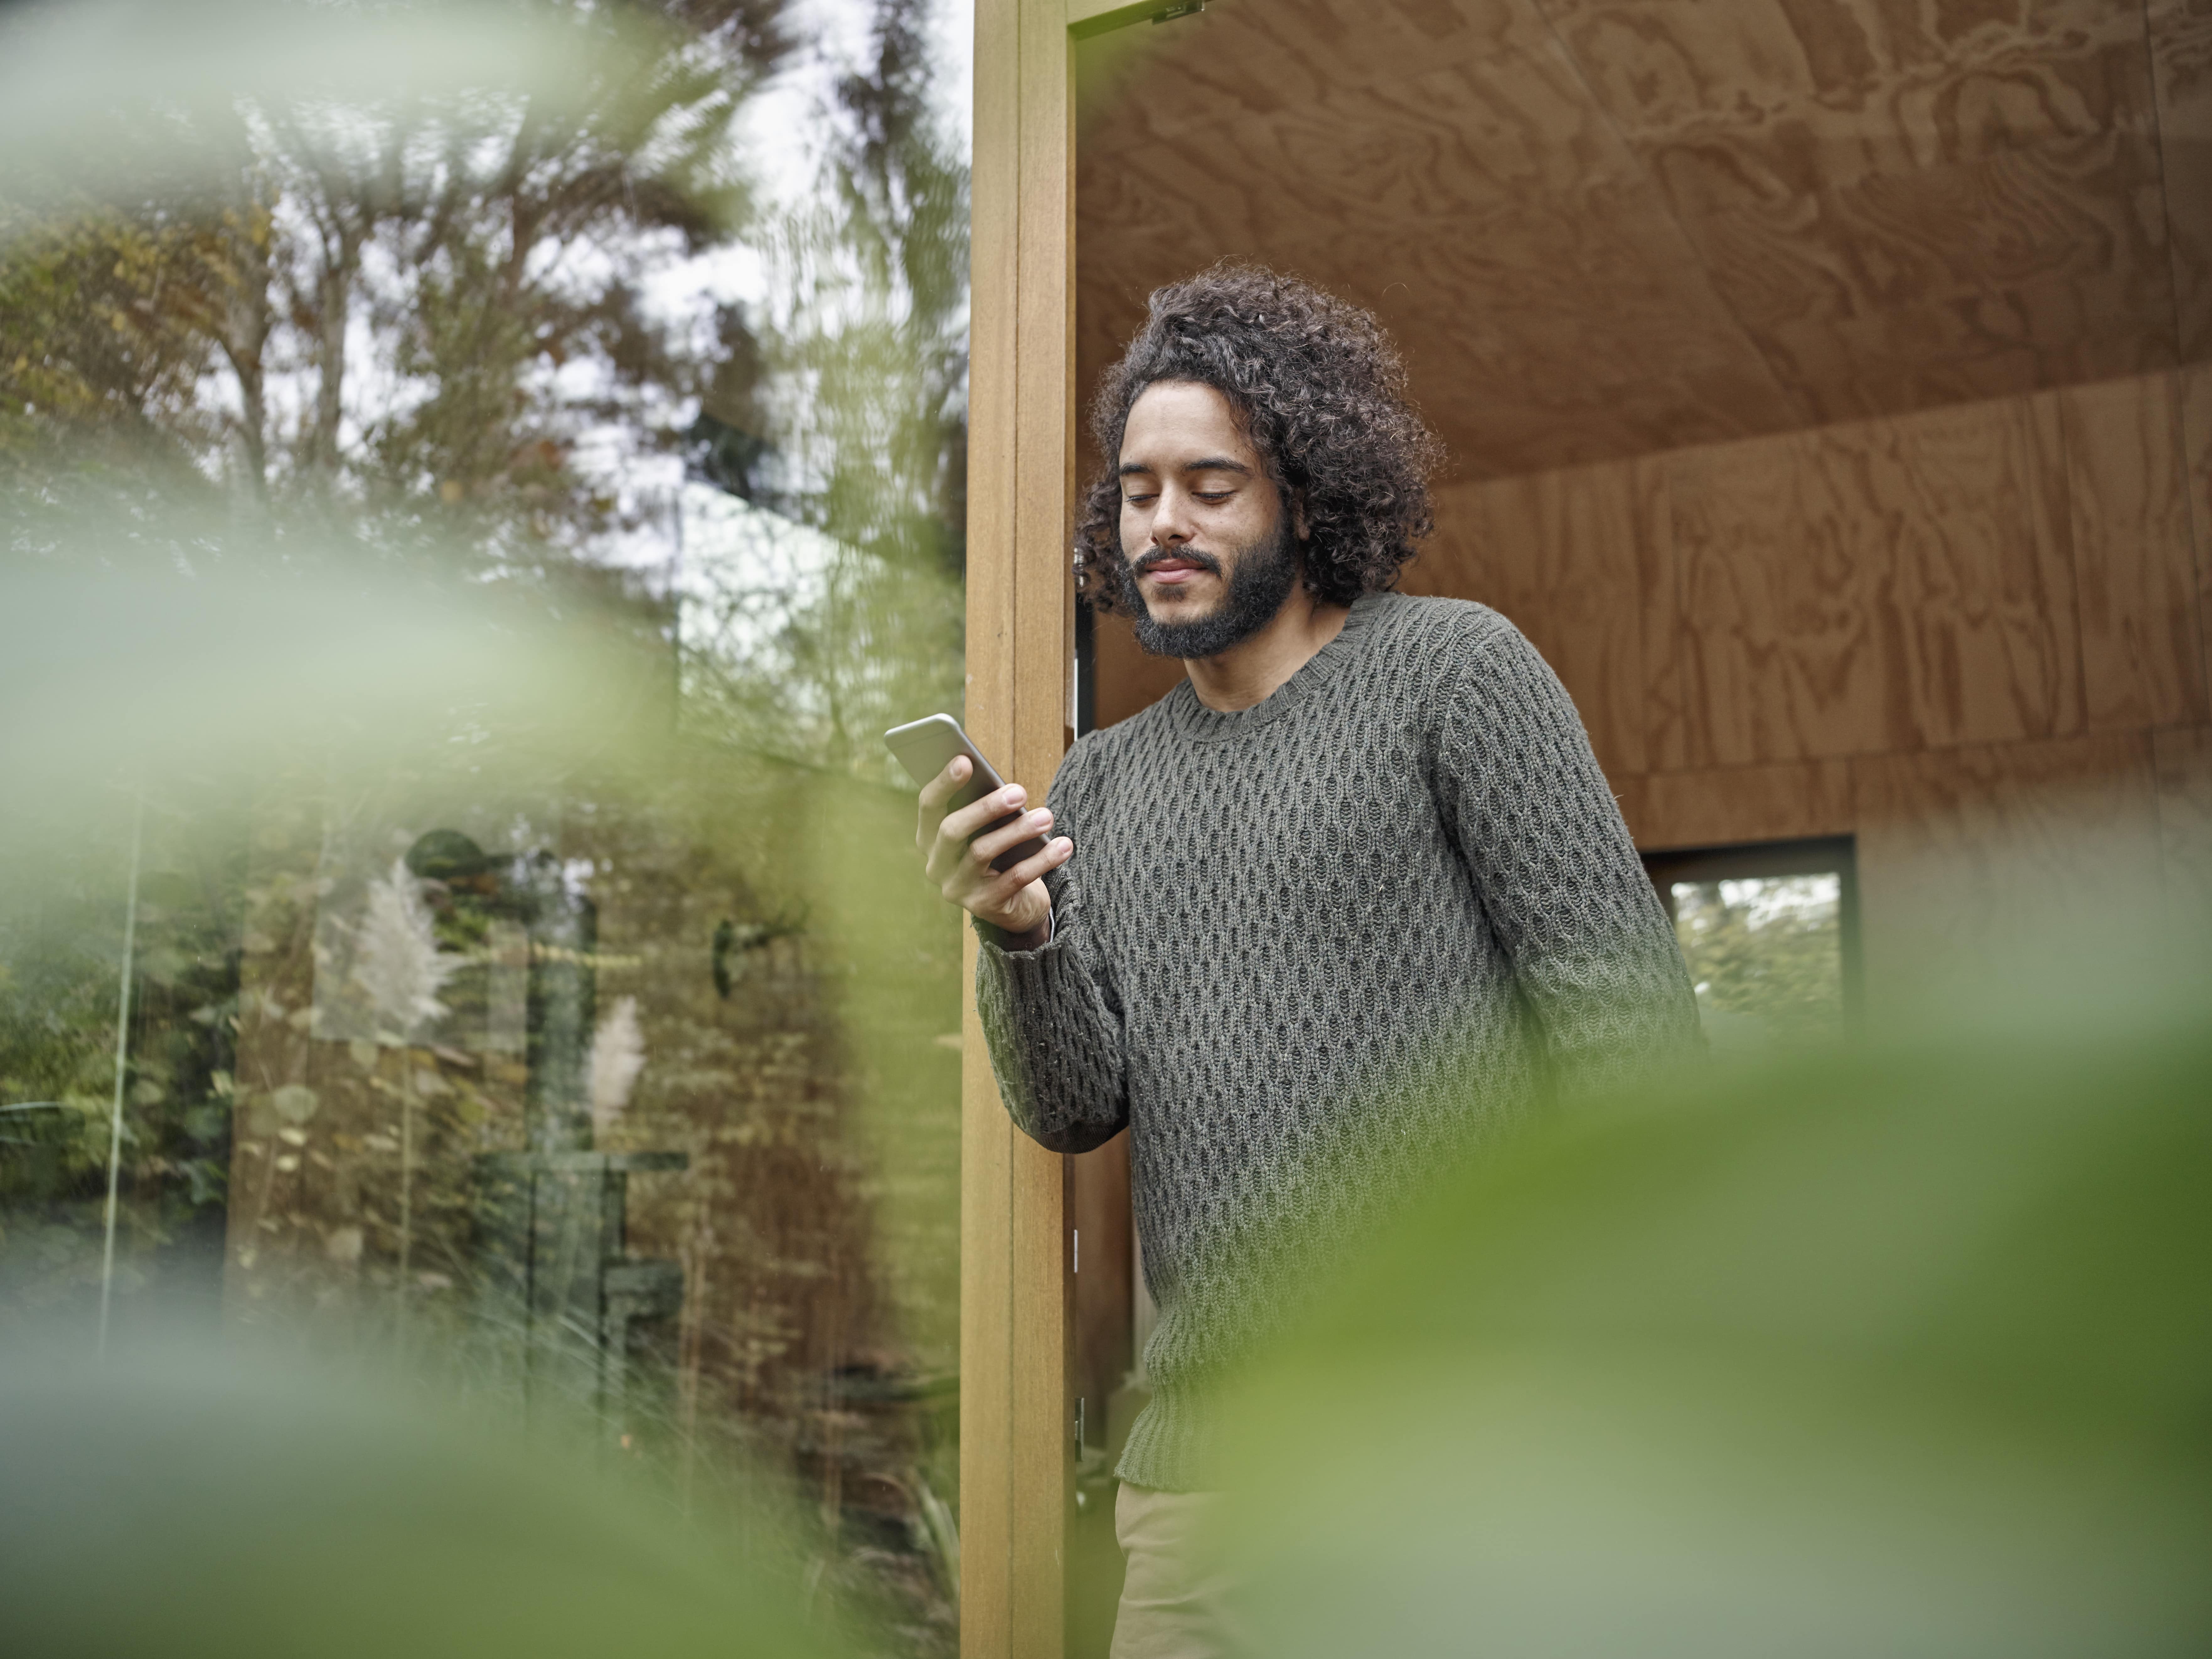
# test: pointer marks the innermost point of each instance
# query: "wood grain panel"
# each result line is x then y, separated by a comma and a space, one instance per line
1733, 806
2142, 639
1975, 862
1879, 585
986, 1497
2181, 65
1015, 1447
1267, 58
1780, 657
1556, 552
1658, 585
1550, 308
2195, 390
1129, 677
1905, 204
1610, 228
1040, 1292
2181, 758
1979, 596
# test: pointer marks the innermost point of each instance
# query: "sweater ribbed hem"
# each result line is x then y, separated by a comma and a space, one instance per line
1172, 1444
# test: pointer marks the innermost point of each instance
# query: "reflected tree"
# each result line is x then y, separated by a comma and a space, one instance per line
1766, 956
846, 417
408, 317
416, 335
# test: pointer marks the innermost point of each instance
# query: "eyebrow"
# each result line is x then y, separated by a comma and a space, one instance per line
1211, 464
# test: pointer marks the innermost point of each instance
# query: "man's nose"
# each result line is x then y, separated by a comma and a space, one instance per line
1171, 525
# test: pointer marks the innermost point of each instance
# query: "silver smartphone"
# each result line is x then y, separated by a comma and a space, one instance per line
925, 747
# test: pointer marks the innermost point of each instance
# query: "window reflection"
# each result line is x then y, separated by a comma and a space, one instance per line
628, 1112
1769, 935
1766, 954
477, 530
627, 1121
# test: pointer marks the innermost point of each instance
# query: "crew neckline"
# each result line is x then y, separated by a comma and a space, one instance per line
1193, 720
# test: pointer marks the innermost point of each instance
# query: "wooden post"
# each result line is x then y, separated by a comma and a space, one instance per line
1016, 1435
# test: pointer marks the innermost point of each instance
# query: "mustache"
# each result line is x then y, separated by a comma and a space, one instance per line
1160, 555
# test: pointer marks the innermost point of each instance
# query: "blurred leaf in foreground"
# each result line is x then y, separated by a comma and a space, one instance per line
1904, 1351
175, 1506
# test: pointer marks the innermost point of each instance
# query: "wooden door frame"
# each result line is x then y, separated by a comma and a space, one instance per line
1016, 1440
1017, 1447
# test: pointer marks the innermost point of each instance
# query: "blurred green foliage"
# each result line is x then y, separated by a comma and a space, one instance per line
184, 1504
1901, 1350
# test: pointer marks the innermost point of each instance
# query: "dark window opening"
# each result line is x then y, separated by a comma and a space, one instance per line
1086, 668
1770, 932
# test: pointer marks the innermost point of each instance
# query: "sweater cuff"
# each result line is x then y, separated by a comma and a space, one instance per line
999, 938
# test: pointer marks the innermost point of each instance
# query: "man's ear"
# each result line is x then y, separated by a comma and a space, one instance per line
1299, 527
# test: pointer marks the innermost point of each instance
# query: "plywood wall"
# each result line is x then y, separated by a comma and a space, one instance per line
1603, 228
1975, 637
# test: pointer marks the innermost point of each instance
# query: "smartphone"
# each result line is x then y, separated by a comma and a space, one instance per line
925, 747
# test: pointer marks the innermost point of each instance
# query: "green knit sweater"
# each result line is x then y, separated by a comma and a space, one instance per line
1306, 952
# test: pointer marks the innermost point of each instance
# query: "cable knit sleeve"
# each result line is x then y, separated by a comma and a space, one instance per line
1591, 947
1051, 1016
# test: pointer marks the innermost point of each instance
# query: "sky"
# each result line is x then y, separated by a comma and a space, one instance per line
781, 127
781, 131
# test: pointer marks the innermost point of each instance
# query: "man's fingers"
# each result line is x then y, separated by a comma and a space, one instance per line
939, 789
978, 815
940, 857
957, 847
929, 814
951, 851
984, 849
1038, 865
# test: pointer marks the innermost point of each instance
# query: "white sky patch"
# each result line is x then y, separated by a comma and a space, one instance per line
1773, 898
743, 576
649, 490
781, 129
781, 134
953, 36
744, 571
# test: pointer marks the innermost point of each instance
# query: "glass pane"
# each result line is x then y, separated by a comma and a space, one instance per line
466, 538
1767, 955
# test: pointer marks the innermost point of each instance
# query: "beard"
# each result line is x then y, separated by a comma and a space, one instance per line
1259, 581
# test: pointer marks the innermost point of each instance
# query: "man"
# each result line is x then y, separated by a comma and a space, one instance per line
1325, 912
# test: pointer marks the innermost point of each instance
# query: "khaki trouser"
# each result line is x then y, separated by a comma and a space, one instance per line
1173, 1599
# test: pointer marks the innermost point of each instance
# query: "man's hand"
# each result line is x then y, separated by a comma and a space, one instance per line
959, 859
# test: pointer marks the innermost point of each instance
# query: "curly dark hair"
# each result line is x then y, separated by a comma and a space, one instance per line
1321, 393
